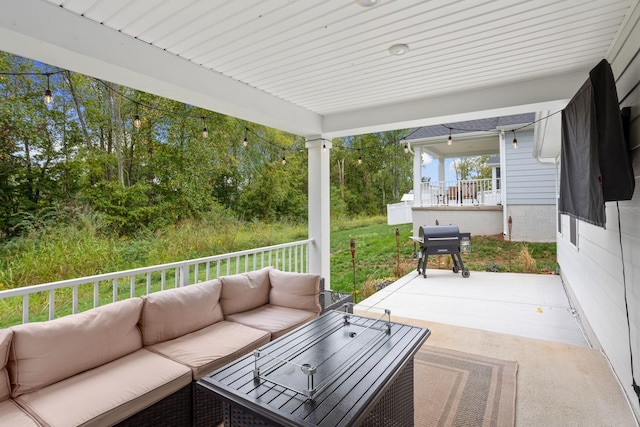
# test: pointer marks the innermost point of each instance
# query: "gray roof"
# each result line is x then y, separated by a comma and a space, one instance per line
493, 161
469, 126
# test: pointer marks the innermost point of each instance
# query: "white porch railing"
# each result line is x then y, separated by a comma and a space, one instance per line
56, 299
471, 192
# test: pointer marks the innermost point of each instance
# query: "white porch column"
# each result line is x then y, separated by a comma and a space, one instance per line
319, 206
441, 174
417, 177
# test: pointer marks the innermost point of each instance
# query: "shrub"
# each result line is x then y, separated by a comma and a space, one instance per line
528, 262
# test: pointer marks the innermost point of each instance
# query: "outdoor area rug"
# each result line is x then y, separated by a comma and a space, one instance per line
462, 389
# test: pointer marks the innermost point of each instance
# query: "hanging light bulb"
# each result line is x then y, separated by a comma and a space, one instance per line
515, 140
245, 141
324, 147
48, 96
450, 140
205, 132
359, 160
406, 148
136, 118
284, 160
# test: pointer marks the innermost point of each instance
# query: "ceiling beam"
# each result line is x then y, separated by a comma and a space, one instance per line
513, 98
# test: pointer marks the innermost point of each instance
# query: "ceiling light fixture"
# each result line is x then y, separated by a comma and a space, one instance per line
399, 49
366, 3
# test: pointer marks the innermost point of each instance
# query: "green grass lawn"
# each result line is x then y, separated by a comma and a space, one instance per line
66, 253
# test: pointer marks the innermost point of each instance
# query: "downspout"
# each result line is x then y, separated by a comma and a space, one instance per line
503, 184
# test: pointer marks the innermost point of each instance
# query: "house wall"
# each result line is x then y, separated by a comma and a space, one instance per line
477, 220
595, 269
533, 223
530, 191
528, 182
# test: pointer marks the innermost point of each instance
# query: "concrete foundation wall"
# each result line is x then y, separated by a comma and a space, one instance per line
477, 220
533, 223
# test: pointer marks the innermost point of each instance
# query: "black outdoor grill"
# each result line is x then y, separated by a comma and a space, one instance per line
441, 240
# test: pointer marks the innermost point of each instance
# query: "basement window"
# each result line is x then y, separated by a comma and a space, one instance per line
573, 231
559, 222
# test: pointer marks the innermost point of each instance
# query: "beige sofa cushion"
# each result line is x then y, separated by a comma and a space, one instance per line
245, 291
5, 342
295, 290
11, 415
175, 312
277, 320
208, 349
47, 352
107, 394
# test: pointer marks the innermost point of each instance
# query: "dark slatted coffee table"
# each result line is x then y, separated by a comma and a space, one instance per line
338, 370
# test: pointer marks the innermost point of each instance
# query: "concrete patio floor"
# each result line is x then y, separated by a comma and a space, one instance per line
528, 305
523, 317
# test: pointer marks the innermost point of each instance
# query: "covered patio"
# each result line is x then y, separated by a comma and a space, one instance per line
336, 68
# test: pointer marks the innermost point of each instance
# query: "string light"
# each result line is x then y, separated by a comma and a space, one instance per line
450, 140
324, 147
136, 119
205, 132
406, 148
245, 141
48, 96
359, 160
515, 140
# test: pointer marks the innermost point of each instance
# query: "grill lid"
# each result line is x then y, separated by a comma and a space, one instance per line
438, 231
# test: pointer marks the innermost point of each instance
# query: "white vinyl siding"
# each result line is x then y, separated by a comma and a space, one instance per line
528, 181
594, 273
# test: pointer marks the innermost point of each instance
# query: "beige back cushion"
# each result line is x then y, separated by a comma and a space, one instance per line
295, 290
5, 342
245, 291
46, 352
175, 312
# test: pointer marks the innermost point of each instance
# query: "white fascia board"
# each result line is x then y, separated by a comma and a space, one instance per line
457, 136
512, 98
41, 31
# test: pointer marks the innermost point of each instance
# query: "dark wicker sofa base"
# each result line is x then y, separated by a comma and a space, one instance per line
174, 410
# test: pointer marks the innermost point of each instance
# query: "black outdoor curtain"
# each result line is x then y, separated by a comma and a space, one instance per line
595, 160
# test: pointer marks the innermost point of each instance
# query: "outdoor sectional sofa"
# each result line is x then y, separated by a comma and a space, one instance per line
134, 362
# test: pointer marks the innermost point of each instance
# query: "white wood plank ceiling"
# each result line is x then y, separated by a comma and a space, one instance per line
331, 57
